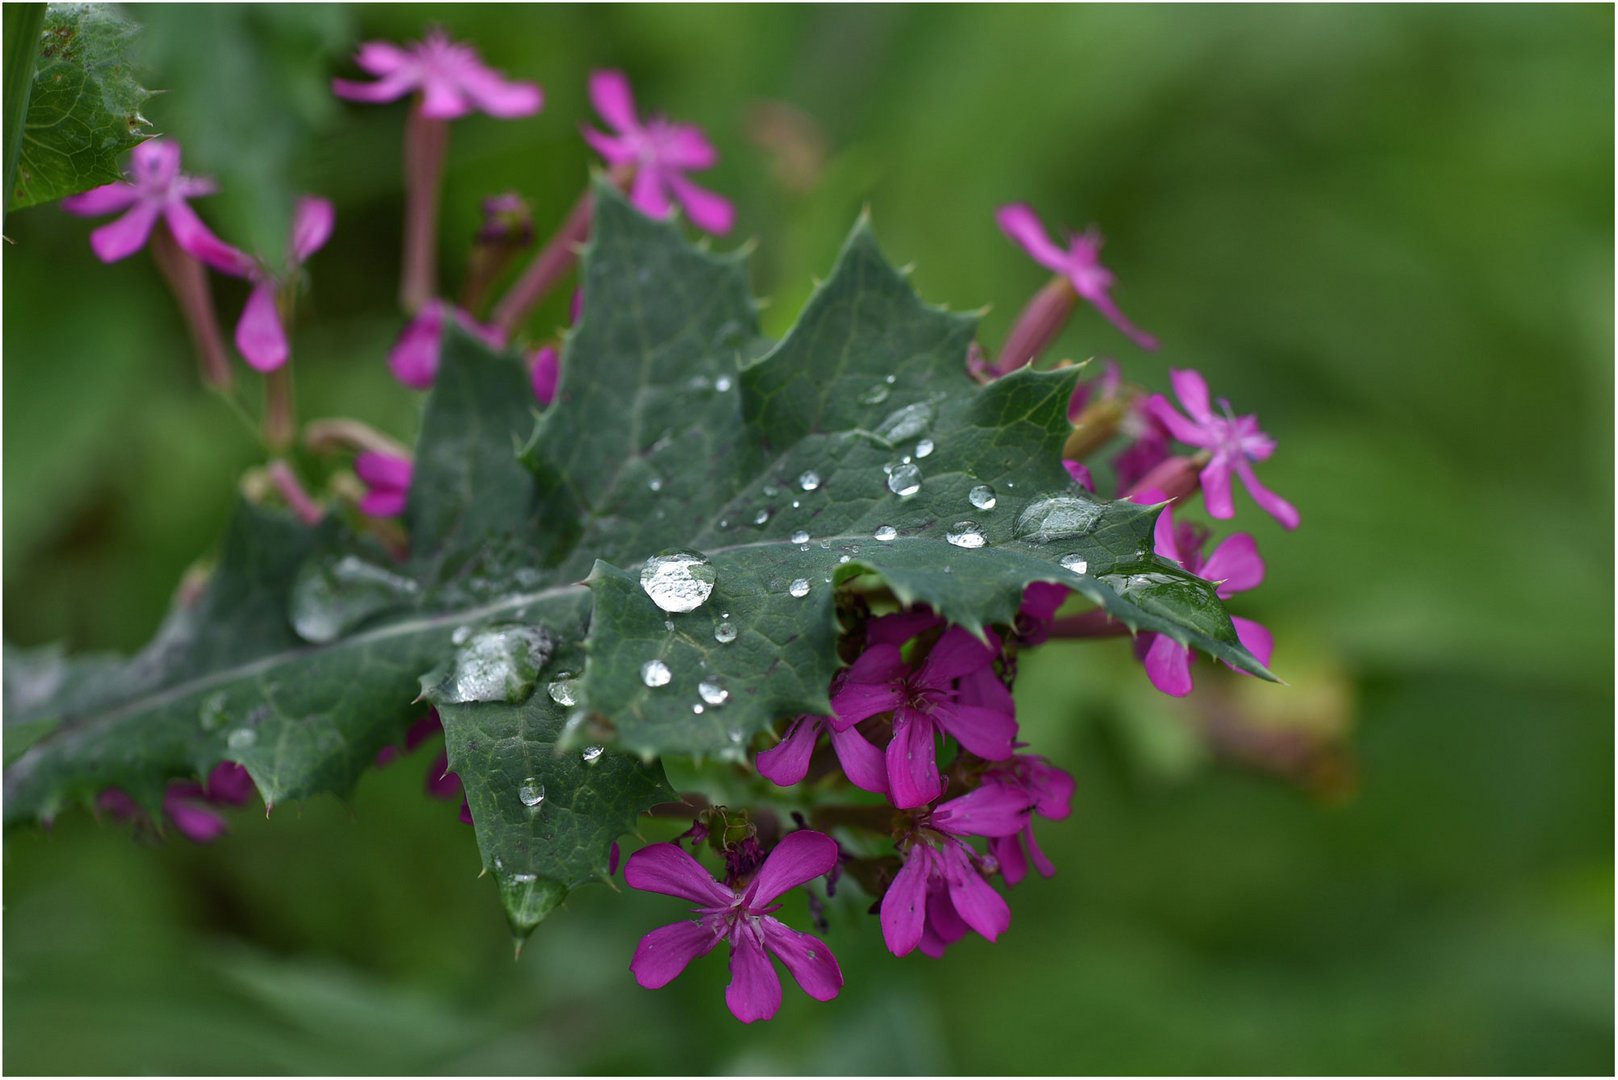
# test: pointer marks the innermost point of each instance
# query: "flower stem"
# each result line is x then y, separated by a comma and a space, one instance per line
335, 433
188, 281
1037, 326
287, 483
279, 424
552, 262
426, 144
1088, 624
1095, 425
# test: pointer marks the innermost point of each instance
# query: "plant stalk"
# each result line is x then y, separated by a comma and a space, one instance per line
426, 145
188, 281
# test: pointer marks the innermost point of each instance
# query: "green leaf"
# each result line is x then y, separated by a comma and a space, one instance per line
857, 447
22, 25
83, 107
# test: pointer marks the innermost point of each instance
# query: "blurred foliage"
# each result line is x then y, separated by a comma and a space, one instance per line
1388, 230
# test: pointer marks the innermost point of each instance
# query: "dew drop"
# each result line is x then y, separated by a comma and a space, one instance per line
241, 738
532, 792
885, 533
1075, 563
722, 384
724, 633
965, 534
904, 481
460, 635
799, 587
212, 713
800, 537
843, 558
762, 516
655, 483
876, 395
809, 480
712, 692
1059, 517
982, 497
924, 448
678, 580
905, 423
735, 735
564, 690
592, 754
771, 490
655, 673
696, 710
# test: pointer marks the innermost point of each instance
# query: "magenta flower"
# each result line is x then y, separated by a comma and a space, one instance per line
414, 356
1040, 602
1147, 449
546, 370
1080, 472
1080, 264
156, 189
1235, 442
187, 804
453, 81
260, 336
1050, 789
742, 915
925, 703
387, 481
787, 762
940, 891
1234, 566
661, 153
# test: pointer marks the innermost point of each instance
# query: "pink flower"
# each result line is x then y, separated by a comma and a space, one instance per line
1080, 472
1040, 602
1050, 789
939, 892
188, 804
1234, 566
1235, 442
387, 481
260, 336
452, 80
925, 703
787, 762
741, 915
1080, 264
545, 372
1148, 447
660, 151
414, 356
156, 188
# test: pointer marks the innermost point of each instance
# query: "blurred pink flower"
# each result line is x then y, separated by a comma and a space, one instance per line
452, 79
1080, 264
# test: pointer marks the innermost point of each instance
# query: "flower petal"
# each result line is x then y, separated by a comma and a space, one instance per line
381, 58
1080, 472
389, 88
612, 98
545, 373
957, 653
667, 869
312, 224
901, 626
708, 211
383, 470
260, 337
647, 194
987, 732
197, 823
1102, 302
194, 238
787, 762
1021, 224
912, 760
904, 910
870, 686
155, 163
1045, 867
686, 147
978, 905
1236, 563
1255, 637
414, 356
614, 151
229, 783
442, 99
806, 957
1168, 665
799, 858
1158, 407
862, 762
665, 952
122, 238
500, 97
441, 783
383, 503
989, 810
754, 992
1165, 542
1273, 504
1007, 851
1192, 390
106, 199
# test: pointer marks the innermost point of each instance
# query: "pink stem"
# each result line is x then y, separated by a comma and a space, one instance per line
1089, 624
1041, 320
188, 281
286, 482
555, 259
426, 144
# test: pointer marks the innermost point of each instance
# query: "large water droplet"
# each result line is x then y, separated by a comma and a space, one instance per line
885, 533
564, 689
498, 664
1060, 517
801, 536
678, 580
924, 448
532, 792
965, 534
982, 497
712, 692
1075, 563
592, 754
332, 595
809, 480
905, 423
904, 481
799, 587
655, 673
725, 632
762, 516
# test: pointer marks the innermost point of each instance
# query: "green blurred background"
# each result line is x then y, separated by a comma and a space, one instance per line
1388, 230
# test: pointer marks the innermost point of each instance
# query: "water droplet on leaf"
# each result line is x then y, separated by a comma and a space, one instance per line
592, 754
799, 587
1075, 563
531, 793
564, 690
982, 497
876, 395
924, 448
241, 738
885, 533
679, 580
905, 423
800, 537
965, 534
712, 693
904, 481
724, 633
655, 673
1060, 517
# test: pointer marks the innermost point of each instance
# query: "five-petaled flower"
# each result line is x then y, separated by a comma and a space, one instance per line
925, 702
940, 891
155, 189
660, 151
740, 913
1234, 566
1050, 789
452, 80
1080, 264
1235, 442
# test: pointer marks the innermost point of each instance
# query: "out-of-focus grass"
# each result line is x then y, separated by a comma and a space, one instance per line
1387, 230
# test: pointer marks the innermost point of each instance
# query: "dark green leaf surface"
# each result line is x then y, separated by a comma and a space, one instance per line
857, 446
83, 107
